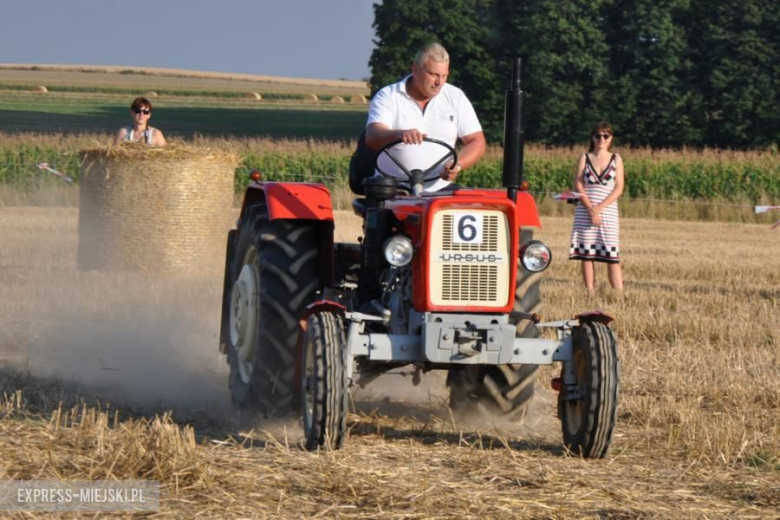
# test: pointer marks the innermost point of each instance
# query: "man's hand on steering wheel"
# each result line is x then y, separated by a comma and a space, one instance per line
412, 136
451, 171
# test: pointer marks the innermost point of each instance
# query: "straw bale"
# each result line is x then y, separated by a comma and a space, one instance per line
155, 209
255, 95
311, 98
337, 99
358, 99
42, 89
151, 93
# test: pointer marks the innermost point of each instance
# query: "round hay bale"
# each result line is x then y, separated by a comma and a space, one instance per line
42, 89
311, 98
337, 99
358, 99
151, 93
155, 209
255, 95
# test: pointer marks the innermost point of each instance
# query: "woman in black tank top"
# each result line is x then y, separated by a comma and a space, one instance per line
140, 131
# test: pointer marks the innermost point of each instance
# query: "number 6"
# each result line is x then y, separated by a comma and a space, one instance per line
469, 229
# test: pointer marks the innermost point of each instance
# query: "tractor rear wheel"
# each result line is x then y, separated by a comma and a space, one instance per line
324, 385
588, 409
274, 277
503, 390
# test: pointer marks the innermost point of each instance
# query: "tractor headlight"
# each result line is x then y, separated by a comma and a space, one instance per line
535, 256
398, 250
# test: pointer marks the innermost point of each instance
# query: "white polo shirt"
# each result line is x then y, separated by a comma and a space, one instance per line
447, 117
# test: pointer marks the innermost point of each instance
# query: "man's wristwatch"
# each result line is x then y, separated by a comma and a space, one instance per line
458, 166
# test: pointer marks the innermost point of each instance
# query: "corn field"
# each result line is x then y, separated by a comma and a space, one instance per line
684, 175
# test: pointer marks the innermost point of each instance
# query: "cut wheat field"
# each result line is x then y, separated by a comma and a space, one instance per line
117, 376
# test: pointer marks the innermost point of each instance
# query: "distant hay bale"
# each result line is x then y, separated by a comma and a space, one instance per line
256, 95
155, 209
311, 98
358, 99
337, 99
151, 93
42, 89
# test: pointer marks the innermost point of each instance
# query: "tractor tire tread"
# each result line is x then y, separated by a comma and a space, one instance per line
503, 390
288, 281
331, 398
594, 435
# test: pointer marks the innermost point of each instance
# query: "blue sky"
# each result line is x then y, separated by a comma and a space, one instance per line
326, 39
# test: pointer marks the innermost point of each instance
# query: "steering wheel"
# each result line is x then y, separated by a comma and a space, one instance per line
415, 176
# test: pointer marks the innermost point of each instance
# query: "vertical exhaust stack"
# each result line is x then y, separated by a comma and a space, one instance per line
514, 139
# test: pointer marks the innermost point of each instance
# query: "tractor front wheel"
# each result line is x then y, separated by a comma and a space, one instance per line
588, 407
324, 385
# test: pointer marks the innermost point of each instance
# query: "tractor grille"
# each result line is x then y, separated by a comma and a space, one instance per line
470, 258
476, 283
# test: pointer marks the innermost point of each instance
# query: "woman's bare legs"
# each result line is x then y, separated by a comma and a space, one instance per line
615, 274
588, 275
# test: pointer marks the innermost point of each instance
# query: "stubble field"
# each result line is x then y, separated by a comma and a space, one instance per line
93, 363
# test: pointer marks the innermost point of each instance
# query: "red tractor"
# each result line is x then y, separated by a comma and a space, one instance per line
440, 281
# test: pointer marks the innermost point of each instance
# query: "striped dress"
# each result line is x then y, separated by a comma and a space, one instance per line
599, 243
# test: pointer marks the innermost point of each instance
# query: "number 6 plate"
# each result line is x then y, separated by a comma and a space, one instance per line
468, 229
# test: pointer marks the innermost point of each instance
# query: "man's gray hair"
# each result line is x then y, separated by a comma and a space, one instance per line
432, 51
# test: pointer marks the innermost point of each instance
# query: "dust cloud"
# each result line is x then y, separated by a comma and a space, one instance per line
140, 351
143, 339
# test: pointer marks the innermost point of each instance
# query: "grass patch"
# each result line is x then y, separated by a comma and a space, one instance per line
76, 115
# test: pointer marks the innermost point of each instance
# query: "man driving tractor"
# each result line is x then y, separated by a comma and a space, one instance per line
423, 105
440, 281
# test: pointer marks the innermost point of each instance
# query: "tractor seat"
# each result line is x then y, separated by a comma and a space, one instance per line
361, 165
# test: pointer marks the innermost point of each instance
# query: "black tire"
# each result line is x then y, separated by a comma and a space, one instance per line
588, 417
227, 286
324, 393
503, 390
281, 257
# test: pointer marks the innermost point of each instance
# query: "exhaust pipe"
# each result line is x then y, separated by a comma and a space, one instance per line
514, 139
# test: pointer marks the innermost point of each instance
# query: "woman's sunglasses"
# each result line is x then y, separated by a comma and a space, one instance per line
142, 111
602, 136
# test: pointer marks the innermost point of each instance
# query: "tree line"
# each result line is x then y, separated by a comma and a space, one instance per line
664, 73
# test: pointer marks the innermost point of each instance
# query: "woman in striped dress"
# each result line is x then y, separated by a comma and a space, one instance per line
595, 236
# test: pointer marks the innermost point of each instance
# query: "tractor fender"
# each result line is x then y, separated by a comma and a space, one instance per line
323, 305
595, 316
291, 200
319, 305
526, 212
299, 201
